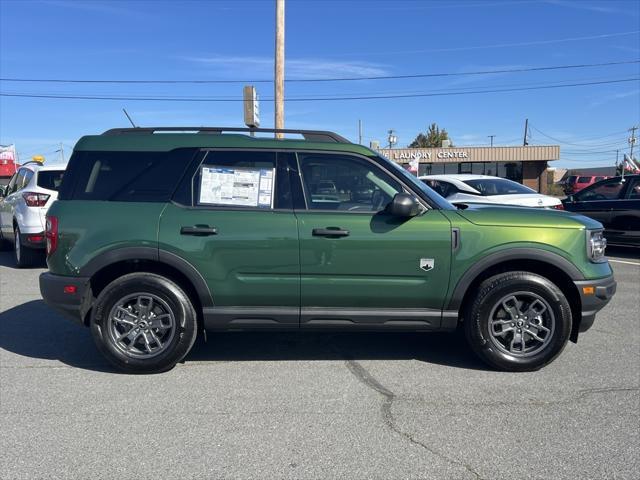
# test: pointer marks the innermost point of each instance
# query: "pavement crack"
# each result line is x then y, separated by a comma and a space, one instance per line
593, 391
368, 380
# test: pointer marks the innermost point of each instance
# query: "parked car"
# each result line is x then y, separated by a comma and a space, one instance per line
487, 189
615, 203
156, 236
574, 183
24, 202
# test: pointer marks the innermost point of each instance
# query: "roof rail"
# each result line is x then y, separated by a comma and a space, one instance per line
311, 135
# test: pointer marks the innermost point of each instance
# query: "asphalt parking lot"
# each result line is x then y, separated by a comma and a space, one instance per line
317, 405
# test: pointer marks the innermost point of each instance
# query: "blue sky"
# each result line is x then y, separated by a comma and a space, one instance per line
229, 40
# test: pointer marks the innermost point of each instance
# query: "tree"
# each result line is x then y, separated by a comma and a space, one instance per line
433, 138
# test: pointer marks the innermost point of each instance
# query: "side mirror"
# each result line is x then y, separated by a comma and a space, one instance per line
3, 191
571, 199
404, 205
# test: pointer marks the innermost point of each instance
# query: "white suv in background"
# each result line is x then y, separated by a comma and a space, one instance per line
487, 189
23, 206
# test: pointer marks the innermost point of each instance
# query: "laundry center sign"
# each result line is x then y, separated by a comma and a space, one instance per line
425, 155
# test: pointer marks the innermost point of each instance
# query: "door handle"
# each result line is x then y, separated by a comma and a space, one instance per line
199, 231
330, 232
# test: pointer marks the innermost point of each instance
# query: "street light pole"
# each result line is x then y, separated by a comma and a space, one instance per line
279, 68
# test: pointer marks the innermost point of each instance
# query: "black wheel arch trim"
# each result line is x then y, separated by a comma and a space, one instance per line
496, 258
153, 254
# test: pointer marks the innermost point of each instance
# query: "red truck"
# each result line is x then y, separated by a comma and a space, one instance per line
575, 183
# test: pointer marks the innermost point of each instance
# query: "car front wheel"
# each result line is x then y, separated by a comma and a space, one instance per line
143, 323
518, 321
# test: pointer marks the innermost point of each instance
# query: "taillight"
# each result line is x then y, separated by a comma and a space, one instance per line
35, 199
558, 207
51, 232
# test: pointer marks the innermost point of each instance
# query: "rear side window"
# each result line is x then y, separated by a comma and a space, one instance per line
50, 179
24, 180
584, 179
124, 176
237, 179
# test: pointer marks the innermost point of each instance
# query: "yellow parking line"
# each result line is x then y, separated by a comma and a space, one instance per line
623, 261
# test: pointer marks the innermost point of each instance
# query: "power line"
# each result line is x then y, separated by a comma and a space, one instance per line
337, 79
568, 143
349, 94
309, 99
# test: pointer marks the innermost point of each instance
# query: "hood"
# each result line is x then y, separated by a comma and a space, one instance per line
523, 199
489, 215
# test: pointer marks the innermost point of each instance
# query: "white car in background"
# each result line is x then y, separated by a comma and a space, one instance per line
488, 190
24, 202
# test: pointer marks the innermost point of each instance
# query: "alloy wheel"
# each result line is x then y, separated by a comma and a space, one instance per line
141, 325
521, 324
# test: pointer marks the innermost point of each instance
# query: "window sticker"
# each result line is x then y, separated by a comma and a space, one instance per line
244, 187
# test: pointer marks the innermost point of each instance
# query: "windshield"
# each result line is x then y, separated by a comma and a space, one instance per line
418, 185
498, 186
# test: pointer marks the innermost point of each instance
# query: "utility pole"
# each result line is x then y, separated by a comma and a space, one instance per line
62, 152
360, 132
491, 137
632, 141
279, 68
526, 129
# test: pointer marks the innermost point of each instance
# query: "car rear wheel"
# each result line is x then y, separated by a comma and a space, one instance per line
24, 256
143, 323
518, 321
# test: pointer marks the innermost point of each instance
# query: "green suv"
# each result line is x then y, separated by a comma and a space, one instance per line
159, 233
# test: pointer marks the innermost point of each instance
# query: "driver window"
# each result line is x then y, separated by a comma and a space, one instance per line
12, 183
603, 191
345, 183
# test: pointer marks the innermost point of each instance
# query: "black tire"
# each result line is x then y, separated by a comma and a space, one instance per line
169, 298
24, 256
4, 243
494, 308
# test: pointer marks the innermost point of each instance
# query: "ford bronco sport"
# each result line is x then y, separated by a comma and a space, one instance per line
159, 233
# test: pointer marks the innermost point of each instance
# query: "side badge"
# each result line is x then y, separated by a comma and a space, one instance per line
427, 264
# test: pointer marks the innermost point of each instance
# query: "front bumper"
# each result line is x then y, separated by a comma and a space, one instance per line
594, 295
74, 304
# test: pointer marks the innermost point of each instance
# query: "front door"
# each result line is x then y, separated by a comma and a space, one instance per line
597, 201
360, 266
232, 220
8, 203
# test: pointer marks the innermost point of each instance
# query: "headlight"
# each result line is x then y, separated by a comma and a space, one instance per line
596, 244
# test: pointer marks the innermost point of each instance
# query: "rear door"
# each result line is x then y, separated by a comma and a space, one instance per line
361, 267
232, 219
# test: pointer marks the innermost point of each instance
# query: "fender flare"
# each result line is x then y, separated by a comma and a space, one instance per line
519, 253
154, 254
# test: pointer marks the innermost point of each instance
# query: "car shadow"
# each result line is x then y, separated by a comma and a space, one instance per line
7, 260
34, 330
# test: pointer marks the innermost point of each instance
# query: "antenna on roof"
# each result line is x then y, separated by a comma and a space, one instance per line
129, 118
